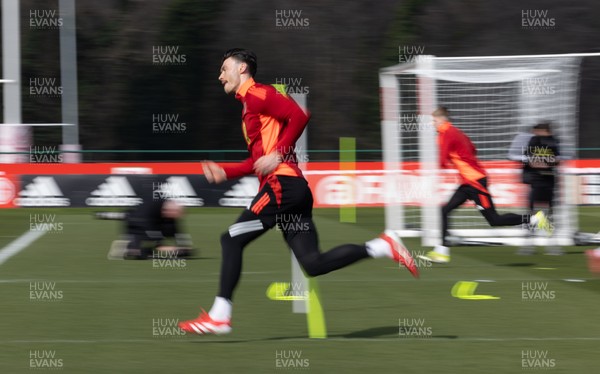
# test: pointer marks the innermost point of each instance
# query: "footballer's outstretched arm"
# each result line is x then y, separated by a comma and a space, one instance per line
213, 172
239, 169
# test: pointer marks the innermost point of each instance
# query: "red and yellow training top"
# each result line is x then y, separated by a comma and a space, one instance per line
456, 148
271, 121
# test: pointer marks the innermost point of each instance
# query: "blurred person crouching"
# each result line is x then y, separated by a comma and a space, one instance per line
152, 228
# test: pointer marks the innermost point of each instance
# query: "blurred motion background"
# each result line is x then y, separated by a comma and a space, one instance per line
143, 62
334, 56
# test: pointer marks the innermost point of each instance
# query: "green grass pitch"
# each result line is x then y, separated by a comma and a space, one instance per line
118, 316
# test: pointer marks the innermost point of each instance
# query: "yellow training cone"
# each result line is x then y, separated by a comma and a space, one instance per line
466, 291
280, 291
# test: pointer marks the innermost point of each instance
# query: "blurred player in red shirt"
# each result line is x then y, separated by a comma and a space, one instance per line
456, 149
271, 124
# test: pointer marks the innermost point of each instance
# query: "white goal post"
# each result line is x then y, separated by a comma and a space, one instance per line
492, 99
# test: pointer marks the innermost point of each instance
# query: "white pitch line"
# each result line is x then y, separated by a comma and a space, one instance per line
160, 281
20, 244
251, 340
444, 339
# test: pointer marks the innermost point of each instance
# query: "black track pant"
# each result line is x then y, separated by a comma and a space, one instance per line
542, 191
285, 203
484, 203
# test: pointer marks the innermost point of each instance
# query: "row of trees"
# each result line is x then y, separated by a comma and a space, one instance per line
148, 70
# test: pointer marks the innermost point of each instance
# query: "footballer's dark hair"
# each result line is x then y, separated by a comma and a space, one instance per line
441, 112
242, 55
544, 125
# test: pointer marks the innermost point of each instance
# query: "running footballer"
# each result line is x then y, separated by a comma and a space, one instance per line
271, 124
456, 149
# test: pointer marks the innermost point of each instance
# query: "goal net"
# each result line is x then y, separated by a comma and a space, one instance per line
492, 99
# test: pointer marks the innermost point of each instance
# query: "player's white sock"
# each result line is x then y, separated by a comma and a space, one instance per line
443, 250
378, 247
221, 309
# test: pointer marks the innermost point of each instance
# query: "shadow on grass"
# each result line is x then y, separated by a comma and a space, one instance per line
391, 332
519, 264
385, 331
224, 341
373, 332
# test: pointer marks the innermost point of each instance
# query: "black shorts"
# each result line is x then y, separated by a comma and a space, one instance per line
283, 201
483, 200
542, 192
